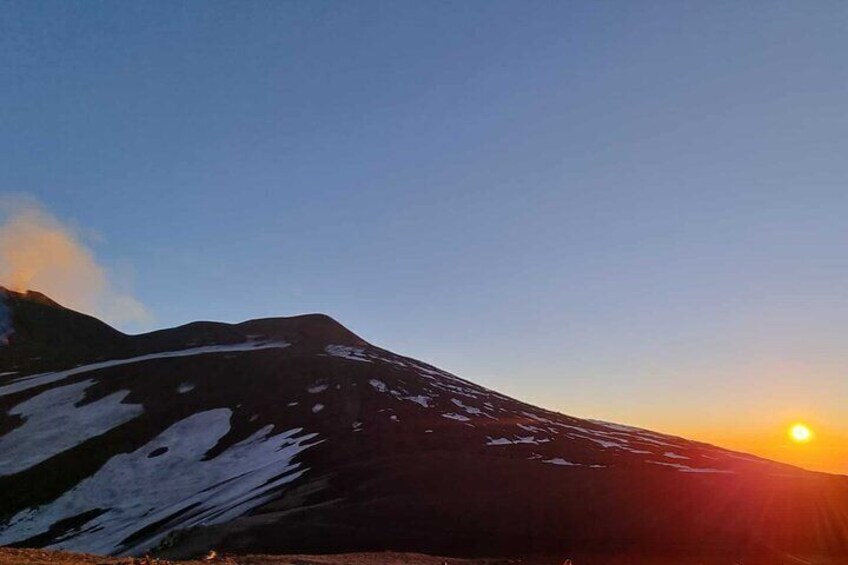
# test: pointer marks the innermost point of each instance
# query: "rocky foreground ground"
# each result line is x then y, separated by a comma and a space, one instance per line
10, 556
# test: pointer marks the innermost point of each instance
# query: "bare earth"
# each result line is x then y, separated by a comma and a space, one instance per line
9, 556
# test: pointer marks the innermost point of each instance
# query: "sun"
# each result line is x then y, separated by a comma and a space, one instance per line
800, 433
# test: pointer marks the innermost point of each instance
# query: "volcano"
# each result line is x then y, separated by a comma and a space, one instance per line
295, 435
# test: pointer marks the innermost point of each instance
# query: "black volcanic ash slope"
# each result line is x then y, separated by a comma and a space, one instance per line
295, 435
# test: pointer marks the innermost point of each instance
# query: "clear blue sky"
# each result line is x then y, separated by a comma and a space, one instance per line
597, 206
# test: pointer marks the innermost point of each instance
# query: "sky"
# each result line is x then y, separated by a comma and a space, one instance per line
627, 211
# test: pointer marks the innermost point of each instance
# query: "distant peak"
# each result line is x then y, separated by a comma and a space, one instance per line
29, 295
319, 328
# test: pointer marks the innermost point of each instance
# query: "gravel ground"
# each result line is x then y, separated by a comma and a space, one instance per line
9, 556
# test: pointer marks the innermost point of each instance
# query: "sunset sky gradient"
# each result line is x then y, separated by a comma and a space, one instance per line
631, 211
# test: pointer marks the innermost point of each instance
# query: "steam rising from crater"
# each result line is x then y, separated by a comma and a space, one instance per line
38, 252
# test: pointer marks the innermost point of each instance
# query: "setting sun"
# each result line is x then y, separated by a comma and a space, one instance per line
800, 433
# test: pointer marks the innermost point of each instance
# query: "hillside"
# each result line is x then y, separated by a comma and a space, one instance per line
294, 435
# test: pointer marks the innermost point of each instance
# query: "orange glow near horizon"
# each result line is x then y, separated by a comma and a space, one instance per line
816, 443
814, 447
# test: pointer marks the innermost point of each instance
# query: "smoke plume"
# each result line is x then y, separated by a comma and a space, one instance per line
38, 252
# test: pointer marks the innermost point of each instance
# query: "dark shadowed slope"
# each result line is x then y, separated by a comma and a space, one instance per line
294, 435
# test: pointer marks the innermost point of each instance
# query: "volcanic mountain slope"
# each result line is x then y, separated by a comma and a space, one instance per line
292, 435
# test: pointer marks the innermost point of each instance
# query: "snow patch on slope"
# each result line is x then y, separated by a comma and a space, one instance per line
565, 463
531, 440
347, 352
471, 410
53, 423
378, 385
561, 461
420, 399
454, 416
136, 491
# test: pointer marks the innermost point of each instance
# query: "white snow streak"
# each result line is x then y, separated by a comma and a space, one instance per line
347, 352
688, 469
45, 378
561, 461
530, 440
421, 399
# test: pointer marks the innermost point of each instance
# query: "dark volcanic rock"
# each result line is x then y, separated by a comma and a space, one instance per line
289, 435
